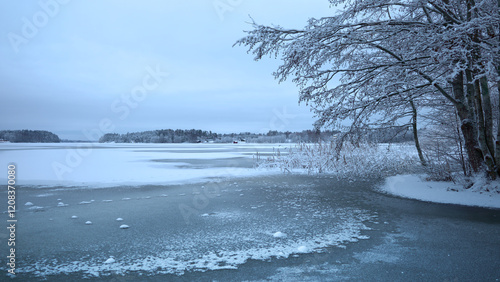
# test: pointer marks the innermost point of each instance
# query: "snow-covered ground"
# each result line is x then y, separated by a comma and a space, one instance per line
482, 194
105, 165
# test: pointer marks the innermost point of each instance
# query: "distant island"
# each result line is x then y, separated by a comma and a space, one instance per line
273, 136
201, 136
28, 136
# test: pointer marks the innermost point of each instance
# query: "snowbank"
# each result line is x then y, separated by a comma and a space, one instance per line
413, 187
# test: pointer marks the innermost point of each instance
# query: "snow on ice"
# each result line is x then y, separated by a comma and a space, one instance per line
413, 187
279, 234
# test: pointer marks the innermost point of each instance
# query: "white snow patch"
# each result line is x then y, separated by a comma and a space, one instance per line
28, 204
119, 219
302, 249
88, 222
44, 195
124, 226
74, 217
413, 187
279, 234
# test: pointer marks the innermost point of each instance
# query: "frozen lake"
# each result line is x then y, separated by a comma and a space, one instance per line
105, 165
202, 212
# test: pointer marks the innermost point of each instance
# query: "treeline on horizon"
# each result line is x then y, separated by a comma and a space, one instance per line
29, 136
387, 135
273, 136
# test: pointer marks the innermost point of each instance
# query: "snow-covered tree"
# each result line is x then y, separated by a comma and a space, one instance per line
376, 62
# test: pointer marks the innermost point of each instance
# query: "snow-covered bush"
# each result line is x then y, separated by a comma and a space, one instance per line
352, 161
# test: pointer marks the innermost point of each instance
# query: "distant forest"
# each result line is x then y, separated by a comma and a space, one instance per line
29, 136
273, 136
387, 135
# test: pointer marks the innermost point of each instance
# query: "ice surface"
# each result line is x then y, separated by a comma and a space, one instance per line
223, 236
107, 165
413, 187
173, 262
228, 231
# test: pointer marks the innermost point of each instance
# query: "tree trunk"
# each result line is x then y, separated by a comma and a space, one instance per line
482, 139
487, 129
497, 62
497, 143
415, 133
460, 145
468, 120
488, 114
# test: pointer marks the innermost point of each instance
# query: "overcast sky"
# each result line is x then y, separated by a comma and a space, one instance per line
72, 67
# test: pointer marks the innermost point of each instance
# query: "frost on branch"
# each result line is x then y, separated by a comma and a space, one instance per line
381, 63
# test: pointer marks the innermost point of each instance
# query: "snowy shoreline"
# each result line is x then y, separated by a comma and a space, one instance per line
413, 187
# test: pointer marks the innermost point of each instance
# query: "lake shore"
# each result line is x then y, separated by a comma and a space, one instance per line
233, 226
